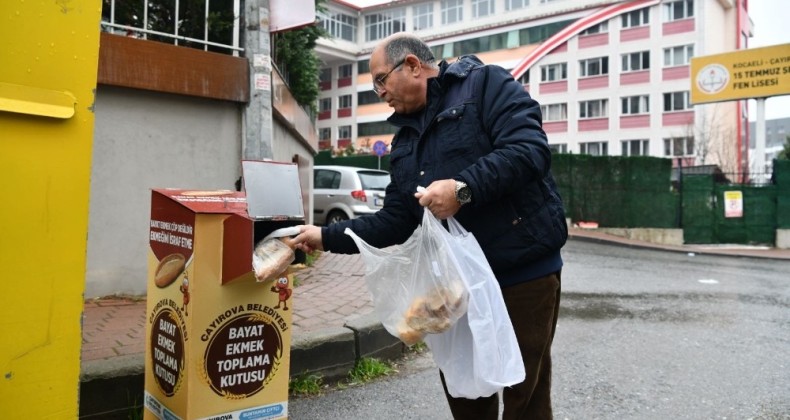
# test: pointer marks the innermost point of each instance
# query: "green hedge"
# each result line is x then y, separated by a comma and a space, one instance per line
611, 190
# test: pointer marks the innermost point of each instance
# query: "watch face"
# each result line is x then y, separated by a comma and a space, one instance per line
464, 194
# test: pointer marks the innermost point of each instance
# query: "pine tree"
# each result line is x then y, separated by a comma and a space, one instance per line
785, 153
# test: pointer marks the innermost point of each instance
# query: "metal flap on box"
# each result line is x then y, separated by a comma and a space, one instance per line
273, 190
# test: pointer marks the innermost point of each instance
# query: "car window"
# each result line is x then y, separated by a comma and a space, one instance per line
374, 180
326, 179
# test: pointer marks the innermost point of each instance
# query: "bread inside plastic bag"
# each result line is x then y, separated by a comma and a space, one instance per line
272, 257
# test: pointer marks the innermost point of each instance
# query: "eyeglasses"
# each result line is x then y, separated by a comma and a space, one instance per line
378, 83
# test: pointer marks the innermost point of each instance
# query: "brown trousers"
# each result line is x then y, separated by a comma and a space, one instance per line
533, 307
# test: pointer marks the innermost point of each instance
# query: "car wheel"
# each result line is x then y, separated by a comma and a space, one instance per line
335, 216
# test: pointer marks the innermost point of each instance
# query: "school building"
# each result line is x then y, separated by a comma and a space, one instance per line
612, 77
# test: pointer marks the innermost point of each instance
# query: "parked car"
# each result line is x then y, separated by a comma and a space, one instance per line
345, 192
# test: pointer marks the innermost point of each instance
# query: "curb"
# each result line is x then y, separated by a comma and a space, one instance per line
113, 388
333, 352
687, 249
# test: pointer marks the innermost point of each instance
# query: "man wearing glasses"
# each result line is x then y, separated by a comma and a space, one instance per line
473, 136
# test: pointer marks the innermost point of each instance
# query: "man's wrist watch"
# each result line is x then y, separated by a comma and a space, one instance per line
463, 194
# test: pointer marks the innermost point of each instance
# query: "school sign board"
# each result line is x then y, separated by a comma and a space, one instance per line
744, 74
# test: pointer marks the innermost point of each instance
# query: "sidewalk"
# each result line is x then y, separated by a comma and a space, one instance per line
328, 294
333, 323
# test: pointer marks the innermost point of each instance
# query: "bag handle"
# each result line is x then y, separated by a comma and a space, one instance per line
455, 227
367, 249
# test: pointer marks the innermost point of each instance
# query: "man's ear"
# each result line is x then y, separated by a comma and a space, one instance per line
413, 64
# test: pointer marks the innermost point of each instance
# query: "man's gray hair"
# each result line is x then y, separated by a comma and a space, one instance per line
400, 46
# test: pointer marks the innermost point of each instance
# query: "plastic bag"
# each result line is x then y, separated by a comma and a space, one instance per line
416, 287
479, 355
274, 253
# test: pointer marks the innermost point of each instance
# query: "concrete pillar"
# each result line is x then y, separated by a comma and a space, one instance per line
257, 120
759, 139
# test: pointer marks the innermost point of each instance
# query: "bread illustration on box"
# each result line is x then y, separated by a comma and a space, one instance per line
168, 270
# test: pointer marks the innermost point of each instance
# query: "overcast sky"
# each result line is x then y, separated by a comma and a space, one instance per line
770, 18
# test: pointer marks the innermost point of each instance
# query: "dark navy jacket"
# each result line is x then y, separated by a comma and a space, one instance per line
481, 127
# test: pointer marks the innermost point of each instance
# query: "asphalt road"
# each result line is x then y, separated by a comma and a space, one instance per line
642, 334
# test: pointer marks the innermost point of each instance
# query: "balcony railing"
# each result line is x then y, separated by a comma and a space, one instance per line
211, 25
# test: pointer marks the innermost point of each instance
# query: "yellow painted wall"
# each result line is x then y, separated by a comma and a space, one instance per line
48, 63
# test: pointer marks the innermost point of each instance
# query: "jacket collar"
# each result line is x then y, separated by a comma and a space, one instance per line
459, 68
448, 74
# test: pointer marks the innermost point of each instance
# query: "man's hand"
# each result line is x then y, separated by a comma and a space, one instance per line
439, 199
309, 239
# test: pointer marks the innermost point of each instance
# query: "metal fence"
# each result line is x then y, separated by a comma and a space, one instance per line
755, 179
752, 178
211, 25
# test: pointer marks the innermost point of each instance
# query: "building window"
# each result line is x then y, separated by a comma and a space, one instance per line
636, 104
594, 66
367, 97
374, 128
363, 67
540, 33
679, 146
452, 11
595, 148
676, 101
554, 72
558, 148
344, 132
678, 56
482, 8
324, 108
344, 102
325, 104
481, 44
345, 71
635, 147
594, 109
325, 76
600, 28
423, 16
384, 23
636, 61
325, 133
340, 25
516, 4
678, 9
636, 18
524, 79
554, 112
325, 79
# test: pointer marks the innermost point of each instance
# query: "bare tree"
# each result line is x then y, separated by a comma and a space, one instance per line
715, 137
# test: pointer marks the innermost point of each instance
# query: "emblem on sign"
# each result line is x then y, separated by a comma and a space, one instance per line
713, 78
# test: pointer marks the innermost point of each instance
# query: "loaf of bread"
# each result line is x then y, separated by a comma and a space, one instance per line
272, 257
408, 335
436, 312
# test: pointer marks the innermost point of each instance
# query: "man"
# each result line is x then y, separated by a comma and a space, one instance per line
473, 137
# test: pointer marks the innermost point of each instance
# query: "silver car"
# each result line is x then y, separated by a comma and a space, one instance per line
345, 192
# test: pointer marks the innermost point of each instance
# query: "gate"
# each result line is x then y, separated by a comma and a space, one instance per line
717, 213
